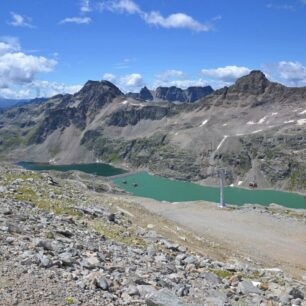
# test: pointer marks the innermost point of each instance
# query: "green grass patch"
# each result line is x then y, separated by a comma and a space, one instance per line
221, 273
69, 300
116, 233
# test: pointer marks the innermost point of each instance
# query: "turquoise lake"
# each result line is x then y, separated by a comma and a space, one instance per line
97, 168
163, 189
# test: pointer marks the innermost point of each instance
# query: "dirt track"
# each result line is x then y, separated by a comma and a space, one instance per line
272, 240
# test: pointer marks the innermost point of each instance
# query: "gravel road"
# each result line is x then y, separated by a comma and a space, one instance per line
269, 236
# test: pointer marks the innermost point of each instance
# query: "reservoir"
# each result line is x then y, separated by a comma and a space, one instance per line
98, 168
163, 189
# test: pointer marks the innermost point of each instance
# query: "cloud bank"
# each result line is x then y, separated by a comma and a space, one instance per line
174, 21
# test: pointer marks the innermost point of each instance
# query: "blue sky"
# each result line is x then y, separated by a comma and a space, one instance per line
55, 46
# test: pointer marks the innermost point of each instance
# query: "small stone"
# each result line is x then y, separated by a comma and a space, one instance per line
191, 260
45, 244
102, 283
66, 259
145, 290
163, 297
264, 286
90, 262
52, 195
133, 291
10, 240
284, 299
161, 258
183, 291
4, 228
246, 287
297, 302
13, 228
3, 189
111, 217
44, 261
180, 257
6, 211
137, 251
211, 277
235, 279
151, 251
169, 245
296, 293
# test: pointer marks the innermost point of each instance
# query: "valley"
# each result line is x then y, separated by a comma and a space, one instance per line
155, 236
255, 129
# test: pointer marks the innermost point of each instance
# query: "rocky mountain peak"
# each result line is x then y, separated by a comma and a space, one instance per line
172, 93
254, 83
99, 88
195, 93
145, 94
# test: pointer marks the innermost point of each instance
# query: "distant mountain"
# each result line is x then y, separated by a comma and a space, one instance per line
255, 129
6, 103
173, 94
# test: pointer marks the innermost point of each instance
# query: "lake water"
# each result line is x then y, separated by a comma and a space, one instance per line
98, 168
163, 189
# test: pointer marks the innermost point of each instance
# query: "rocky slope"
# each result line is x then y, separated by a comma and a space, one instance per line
255, 129
173, 94
62, 244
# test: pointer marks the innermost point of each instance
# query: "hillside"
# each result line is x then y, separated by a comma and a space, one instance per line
63, 244
255, 128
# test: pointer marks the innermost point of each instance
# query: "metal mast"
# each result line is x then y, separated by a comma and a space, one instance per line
221, 174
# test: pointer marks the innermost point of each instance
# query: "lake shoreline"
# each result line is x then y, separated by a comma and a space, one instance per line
192, 191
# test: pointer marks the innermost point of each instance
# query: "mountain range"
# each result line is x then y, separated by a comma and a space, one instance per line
256, 129
173, 94
6, 103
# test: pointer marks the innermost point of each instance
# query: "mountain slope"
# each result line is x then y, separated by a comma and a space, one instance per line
255, 129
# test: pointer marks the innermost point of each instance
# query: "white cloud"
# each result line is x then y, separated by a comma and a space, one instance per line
175, 21
48, 89
293, 72
128, 82
8, 44
171, 73
109, 77
77, 20
178, 20
20, 21
18, 71
131, 81
226, 74
122, 6
17, 67
38, 89
184, 83
85, 6
173, 77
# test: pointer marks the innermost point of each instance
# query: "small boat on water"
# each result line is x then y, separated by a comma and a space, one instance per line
135, 185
